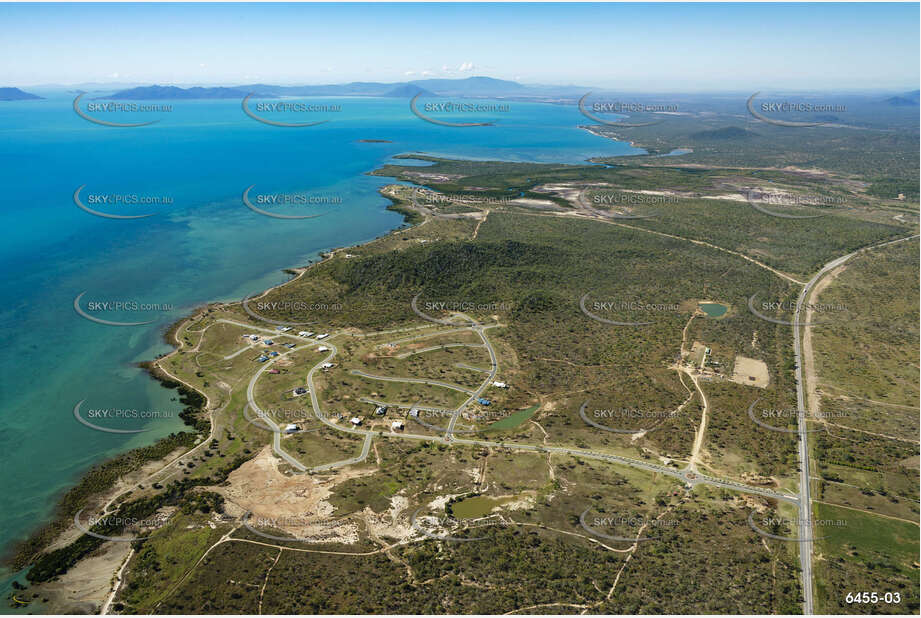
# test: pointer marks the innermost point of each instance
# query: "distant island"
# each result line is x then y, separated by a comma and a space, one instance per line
375, 141
174, 92
469, 87
15, 94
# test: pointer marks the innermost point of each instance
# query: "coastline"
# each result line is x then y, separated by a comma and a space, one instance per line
594, 130
58, 530
148, 461
651, 151
47, 534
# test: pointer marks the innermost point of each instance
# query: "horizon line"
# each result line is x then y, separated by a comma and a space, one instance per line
294, 84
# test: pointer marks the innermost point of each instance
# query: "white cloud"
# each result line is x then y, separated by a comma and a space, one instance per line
466, 66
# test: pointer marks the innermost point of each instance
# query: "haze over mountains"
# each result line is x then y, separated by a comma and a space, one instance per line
15, 94
469, 87
909, 99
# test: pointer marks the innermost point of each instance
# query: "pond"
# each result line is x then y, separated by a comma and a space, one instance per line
477, 506
713, 310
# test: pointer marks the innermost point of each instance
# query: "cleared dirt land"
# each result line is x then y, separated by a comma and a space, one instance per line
750, 371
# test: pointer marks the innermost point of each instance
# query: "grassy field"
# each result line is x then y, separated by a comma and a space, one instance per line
867, 554
513, 420
228, 581
873, 358
165, 558
866, 436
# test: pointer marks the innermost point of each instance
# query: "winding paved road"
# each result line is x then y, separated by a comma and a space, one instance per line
276, 430
453, 387
480, 330
688, 476
439, 347
365, 449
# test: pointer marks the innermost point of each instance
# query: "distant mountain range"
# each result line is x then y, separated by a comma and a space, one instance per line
469, 87
176, 93
909, 99
15, 94
407, 91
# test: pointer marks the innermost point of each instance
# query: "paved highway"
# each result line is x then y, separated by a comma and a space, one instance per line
805, 501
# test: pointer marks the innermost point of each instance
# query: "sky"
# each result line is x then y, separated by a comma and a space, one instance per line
650, 47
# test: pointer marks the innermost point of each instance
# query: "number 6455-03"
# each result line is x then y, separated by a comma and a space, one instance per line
873, 597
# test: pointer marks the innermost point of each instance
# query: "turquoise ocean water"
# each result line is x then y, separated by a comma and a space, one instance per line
205, 245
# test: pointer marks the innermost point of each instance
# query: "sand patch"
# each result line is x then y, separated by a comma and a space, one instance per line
441, 502
731, 197
391, 524
86, 585
434, 176
526, 501
295, 504
473, 473
751, 372
533, 203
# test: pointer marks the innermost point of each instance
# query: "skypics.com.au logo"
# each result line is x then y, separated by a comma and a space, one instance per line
261, 111
780, 112
453, 108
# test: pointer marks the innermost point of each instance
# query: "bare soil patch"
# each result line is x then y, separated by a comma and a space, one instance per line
750, 371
